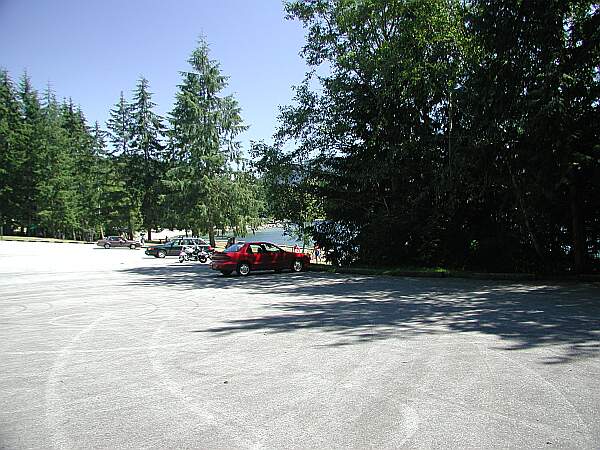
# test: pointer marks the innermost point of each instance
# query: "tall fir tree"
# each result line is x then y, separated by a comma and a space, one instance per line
205, 124
30, 142
12, 155
99, 170
120, 134
81, 143
120, 127
56, 193
147, 166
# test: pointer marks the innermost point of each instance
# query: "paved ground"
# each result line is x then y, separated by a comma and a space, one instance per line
111, 349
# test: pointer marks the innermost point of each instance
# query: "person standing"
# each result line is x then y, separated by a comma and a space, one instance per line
317, 253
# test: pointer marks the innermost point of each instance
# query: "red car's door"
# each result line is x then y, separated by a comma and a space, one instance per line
255, 256
275, 257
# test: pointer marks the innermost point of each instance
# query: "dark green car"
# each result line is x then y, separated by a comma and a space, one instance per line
173, 247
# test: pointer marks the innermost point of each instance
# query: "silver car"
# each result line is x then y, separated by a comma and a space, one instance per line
118, 241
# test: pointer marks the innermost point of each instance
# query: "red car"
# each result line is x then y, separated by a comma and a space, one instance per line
244, 258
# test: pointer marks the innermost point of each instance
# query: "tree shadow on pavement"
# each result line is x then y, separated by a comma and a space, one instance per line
359, 309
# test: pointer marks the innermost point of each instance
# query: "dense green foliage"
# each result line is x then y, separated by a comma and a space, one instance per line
288, 190
448, 132
428, 132
50, 182
205, 125
137, 135
60, 177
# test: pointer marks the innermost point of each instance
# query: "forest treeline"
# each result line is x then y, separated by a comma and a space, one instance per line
456, 133
61, 177
445, 133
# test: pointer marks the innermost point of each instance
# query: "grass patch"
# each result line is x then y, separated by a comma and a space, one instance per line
410, 269
403, 271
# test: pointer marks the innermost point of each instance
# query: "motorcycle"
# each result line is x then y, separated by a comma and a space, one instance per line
183, 255
201, 255
193, 254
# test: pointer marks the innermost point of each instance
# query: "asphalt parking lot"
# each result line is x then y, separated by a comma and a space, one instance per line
113, 349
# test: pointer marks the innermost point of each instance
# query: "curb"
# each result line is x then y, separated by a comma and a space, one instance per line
43, 240
494, 276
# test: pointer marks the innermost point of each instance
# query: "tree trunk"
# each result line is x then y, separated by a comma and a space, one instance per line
578, 229
130, 230
149, 234
526, 219
211, 236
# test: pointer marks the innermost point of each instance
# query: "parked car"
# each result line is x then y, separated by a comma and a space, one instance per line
118, 241
247, 257
182, 236
173, 247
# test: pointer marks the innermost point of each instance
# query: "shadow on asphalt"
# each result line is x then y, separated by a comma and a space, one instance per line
359, 308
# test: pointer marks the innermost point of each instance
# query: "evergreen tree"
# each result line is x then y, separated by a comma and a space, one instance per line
56, 195
99, 181
120, 128
109, 192
12, 154
30, 143
204, 127
82, 152
146, 167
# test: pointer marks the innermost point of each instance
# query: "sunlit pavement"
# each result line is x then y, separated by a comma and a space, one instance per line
113, 349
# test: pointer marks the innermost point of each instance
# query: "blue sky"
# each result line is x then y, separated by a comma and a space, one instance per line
90, 50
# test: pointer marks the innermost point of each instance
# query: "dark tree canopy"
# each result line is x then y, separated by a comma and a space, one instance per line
450, 132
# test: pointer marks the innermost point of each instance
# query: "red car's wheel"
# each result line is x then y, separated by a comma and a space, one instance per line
243, 269
107, 246
298, 266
